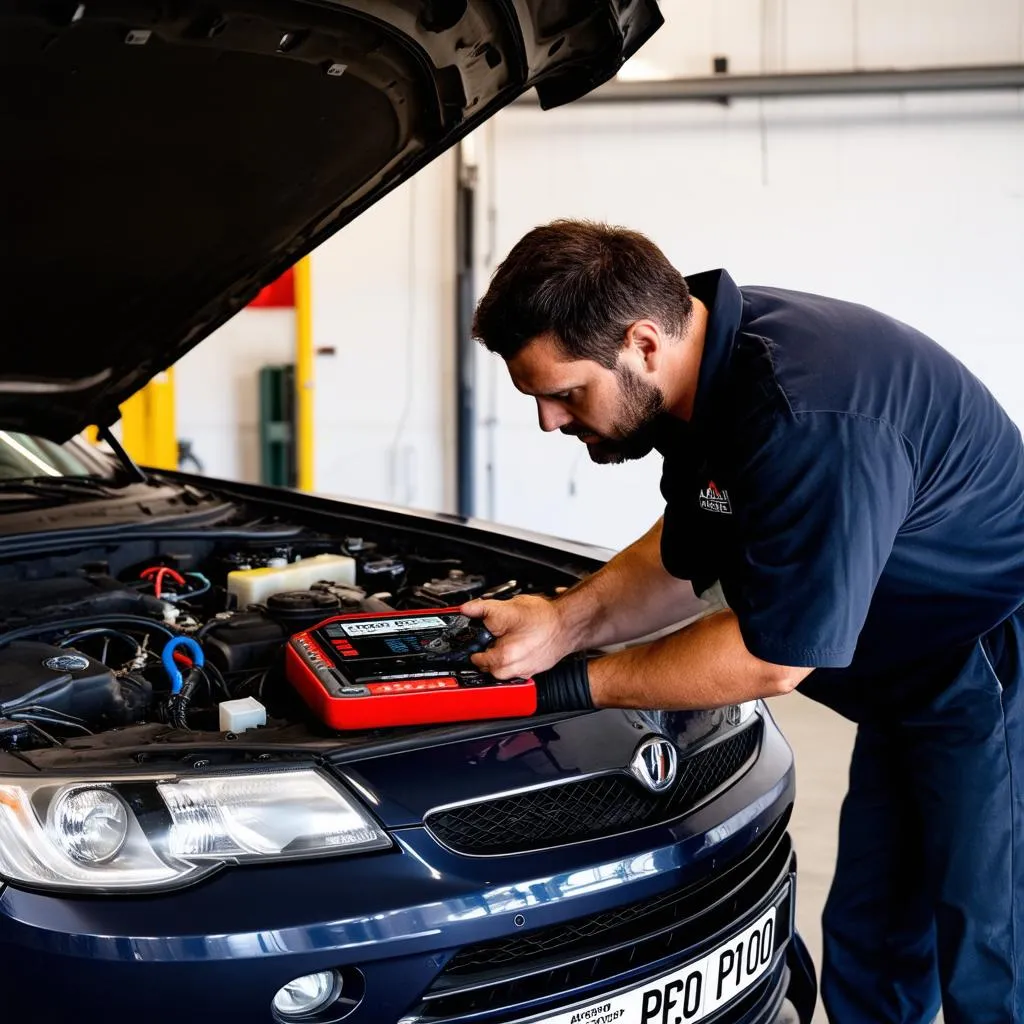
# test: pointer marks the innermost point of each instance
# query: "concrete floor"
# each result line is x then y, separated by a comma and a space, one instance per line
822, 742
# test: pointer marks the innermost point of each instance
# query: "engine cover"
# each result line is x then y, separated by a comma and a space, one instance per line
36, 678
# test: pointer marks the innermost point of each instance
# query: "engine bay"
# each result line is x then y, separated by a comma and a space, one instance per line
182, 642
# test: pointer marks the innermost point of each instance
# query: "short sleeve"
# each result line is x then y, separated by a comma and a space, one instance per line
818, 509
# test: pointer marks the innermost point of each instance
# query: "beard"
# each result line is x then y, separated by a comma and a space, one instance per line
641, 404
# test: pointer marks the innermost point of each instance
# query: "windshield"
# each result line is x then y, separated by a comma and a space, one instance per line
25, 457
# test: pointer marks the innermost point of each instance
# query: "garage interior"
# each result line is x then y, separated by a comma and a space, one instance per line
871, 150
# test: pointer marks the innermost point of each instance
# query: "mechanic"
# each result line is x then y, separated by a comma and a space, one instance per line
856, 496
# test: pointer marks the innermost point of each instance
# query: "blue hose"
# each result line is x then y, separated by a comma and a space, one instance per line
167, 657
187, 595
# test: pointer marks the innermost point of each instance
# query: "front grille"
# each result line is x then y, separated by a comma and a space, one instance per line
511, 976
589, 808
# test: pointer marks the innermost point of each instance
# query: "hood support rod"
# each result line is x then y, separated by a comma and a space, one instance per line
465, 347
127, 463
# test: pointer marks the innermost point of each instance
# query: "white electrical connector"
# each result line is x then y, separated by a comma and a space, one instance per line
238, 715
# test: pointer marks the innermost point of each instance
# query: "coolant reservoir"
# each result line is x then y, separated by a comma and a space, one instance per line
254, 586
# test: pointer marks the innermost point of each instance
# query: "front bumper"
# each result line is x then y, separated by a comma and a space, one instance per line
221, 950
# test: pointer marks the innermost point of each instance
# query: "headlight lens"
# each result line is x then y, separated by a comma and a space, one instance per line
136, 834
253, 816
89, 825
304, 996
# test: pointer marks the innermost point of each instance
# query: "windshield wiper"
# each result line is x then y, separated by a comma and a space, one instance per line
57, 486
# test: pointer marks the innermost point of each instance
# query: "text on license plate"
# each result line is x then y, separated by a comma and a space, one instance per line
692, 992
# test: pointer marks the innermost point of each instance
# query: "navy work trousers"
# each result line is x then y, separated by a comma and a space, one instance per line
927, 904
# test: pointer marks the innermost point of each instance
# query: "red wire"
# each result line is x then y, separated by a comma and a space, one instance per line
158, 572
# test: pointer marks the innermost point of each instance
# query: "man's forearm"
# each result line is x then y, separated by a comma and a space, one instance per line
632, 596
705, 665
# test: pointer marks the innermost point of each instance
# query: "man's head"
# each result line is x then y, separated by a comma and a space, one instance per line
585, 315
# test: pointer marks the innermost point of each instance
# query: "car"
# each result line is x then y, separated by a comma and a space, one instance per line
183, 832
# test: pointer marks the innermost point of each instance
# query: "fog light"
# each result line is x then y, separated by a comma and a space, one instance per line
304, 996
89, 825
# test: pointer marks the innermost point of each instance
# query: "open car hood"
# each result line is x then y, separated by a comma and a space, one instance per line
165, 161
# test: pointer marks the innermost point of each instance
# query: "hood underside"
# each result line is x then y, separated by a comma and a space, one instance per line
164, 161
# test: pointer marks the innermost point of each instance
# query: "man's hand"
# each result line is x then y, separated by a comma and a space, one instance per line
628, 598
531, 636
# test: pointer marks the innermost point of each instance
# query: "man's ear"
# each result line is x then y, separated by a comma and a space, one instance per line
645, 345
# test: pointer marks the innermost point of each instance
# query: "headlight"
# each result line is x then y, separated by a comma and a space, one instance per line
116, 835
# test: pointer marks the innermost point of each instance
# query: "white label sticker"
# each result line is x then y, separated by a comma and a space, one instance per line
393, 625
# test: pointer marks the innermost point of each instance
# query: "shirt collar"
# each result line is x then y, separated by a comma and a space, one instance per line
720, 293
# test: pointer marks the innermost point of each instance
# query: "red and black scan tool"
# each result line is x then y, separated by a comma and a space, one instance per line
379, 669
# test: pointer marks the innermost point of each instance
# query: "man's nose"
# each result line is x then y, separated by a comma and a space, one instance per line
551, 415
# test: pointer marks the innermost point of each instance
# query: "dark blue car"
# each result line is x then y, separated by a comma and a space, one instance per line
182, 835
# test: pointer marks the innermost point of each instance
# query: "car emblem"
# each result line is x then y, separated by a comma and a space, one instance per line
66, 663
654, 764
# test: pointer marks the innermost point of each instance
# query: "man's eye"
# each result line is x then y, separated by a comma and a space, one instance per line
563, 396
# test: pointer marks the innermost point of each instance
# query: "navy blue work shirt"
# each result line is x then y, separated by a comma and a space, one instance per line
857, 492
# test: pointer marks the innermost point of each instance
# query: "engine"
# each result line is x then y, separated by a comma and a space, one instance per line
193, 640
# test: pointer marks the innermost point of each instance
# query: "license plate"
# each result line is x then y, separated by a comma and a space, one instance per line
692, 992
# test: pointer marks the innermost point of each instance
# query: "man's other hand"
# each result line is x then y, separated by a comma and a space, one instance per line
530, 636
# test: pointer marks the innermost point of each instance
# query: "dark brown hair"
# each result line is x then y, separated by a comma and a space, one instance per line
585, 283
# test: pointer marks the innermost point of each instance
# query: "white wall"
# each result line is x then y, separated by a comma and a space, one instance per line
384, 296
216, 390
832, 35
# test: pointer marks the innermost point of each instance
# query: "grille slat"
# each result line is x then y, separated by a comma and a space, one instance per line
589, 808
516, 975
520, 948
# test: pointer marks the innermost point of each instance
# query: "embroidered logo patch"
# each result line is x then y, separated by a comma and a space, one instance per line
714, 500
